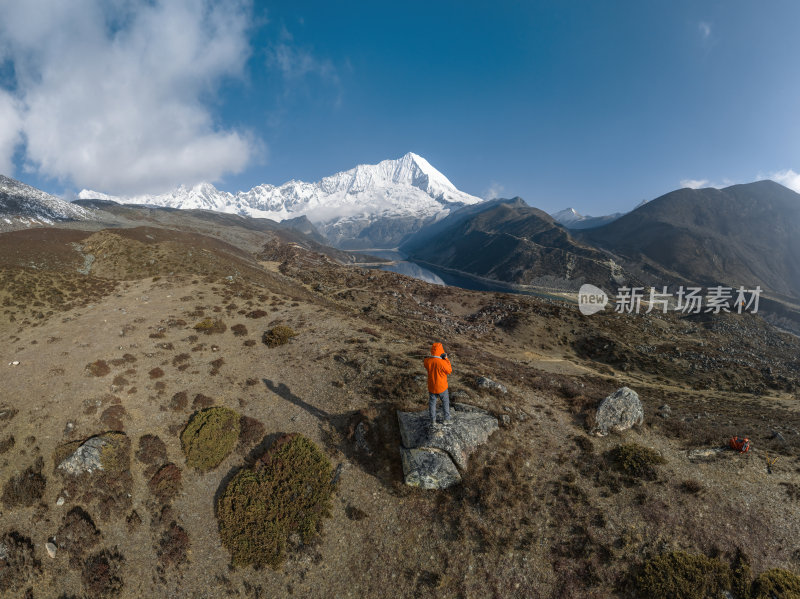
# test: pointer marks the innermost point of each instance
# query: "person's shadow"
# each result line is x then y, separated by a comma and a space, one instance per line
383, 461
283, 391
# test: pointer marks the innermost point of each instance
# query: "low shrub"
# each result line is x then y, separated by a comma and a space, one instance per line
26, 488
278, 335
173, 546
209, 437
165, 484
101, 574
239, 330
683, 575
98, 368
152, 450
635, 460
287, 491
210, 326
776, 583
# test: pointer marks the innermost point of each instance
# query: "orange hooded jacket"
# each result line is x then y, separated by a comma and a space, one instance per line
438, 369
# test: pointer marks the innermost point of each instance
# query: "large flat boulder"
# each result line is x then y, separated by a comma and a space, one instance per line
618, 412
470, 428
429, 468
431, 460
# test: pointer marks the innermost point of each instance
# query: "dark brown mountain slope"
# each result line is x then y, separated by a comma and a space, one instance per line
513, 242
741, 235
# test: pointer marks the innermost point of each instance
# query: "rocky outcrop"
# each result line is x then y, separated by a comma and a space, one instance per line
429, 468
618, 412
431, 459
487, 383
87, 458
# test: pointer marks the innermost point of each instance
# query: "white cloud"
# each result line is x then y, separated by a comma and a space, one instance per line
787, 178
296, 63
694, 183
705, 29
114, 95
299, 68
10, 130
495, 190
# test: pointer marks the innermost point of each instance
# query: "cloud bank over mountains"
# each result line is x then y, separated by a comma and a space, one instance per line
118, 95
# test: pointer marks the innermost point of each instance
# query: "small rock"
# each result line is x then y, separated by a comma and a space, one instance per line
488, 383
778, 437
505, 420
51, 549
60, 501
3, 552
361, 438
665, 411
704, 454
14, 363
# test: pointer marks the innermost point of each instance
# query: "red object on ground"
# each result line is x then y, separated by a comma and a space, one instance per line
740, 444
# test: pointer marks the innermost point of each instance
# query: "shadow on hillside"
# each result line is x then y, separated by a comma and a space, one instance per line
369, 438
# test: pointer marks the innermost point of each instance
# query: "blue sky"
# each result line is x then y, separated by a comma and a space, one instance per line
595, 105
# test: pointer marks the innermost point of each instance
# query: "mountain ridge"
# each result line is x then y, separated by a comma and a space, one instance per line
351, 208
21, 204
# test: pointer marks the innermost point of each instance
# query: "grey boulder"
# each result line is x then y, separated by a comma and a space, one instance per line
470, 428
431, 459
488, 383
618, 412
429, 468
87, 458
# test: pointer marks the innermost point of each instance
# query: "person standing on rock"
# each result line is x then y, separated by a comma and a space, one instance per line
438, 367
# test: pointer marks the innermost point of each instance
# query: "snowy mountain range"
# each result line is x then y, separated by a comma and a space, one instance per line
22, 204
572, 219
369, 206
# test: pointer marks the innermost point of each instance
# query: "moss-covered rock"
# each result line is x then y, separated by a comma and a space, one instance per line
776, 583
681, 575
209, 437
278, 335
288, 491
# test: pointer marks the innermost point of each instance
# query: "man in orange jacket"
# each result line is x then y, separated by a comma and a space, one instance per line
438, 367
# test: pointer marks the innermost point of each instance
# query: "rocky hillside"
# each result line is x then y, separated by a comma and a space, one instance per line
169, 394
507, 240
25, 206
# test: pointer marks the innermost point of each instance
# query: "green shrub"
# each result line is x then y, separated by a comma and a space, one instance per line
209, 437
636, 460
211, 325
681, 575
287, 491
776, 583
278, 335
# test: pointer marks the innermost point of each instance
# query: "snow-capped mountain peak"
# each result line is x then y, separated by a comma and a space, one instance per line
26, 205
567, 216
345, 206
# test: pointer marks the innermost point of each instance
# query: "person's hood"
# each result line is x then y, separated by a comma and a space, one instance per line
437, 349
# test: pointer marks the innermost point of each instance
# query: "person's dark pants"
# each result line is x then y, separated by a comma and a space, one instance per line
445, 397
